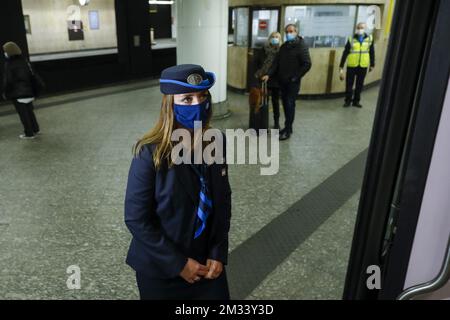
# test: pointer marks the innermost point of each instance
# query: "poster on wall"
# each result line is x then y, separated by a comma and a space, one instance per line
263, 28
75, 29
94, 22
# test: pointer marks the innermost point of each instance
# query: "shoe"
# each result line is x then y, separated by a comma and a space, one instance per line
37, 133
24, 137
276, 126
346, 105
357, 105
285, 136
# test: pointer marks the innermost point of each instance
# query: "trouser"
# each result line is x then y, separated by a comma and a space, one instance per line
27, 117
358, 74
289, 92
178, 289
275, 93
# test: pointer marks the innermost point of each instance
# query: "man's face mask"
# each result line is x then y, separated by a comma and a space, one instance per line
290, 36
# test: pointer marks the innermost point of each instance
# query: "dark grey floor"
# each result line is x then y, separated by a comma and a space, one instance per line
255, 258
61, 198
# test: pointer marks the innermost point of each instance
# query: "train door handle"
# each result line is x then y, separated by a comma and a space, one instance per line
431, 286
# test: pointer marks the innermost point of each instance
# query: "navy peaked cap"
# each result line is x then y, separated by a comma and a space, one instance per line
185, 78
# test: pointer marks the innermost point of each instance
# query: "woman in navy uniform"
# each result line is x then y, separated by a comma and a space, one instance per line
178, 214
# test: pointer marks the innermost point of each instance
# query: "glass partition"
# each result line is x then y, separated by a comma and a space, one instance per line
239, 27
323, 25
330, 26
264, 22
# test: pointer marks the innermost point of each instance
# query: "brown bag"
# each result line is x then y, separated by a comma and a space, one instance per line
255, 99
259, 107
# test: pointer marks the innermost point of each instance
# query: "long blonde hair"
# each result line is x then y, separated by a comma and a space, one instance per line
160, 135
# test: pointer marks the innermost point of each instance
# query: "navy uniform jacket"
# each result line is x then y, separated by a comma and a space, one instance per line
160, 212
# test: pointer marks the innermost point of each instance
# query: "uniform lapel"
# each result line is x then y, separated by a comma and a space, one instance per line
188, 179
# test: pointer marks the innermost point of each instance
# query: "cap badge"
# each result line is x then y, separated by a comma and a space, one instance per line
195, 79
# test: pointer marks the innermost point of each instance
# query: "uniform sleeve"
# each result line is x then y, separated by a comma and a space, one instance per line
345, 54
218, 247
140, 216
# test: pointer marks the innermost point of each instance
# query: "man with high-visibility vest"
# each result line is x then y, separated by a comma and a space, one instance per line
359, 53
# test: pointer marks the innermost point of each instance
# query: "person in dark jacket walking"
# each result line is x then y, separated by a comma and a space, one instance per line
264, 64
18, 86
291, 64
359, 53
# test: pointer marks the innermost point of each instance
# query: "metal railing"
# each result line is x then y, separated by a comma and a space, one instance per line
431, 286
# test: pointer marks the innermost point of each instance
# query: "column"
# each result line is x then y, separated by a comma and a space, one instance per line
202, 38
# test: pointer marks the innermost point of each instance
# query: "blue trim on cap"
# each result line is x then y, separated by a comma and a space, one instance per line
187, 85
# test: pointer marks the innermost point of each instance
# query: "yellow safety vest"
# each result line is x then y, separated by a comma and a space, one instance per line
360, 52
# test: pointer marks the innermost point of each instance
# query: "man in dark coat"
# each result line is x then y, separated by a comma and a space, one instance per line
291, 64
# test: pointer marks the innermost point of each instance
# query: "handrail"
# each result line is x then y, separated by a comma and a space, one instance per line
431, 286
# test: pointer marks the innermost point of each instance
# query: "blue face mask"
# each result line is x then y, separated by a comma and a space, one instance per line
291, 36
186, 115
275, 41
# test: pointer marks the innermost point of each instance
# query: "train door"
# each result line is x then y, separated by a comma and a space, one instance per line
403, 226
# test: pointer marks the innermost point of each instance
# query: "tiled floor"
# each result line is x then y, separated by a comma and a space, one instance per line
61, 195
